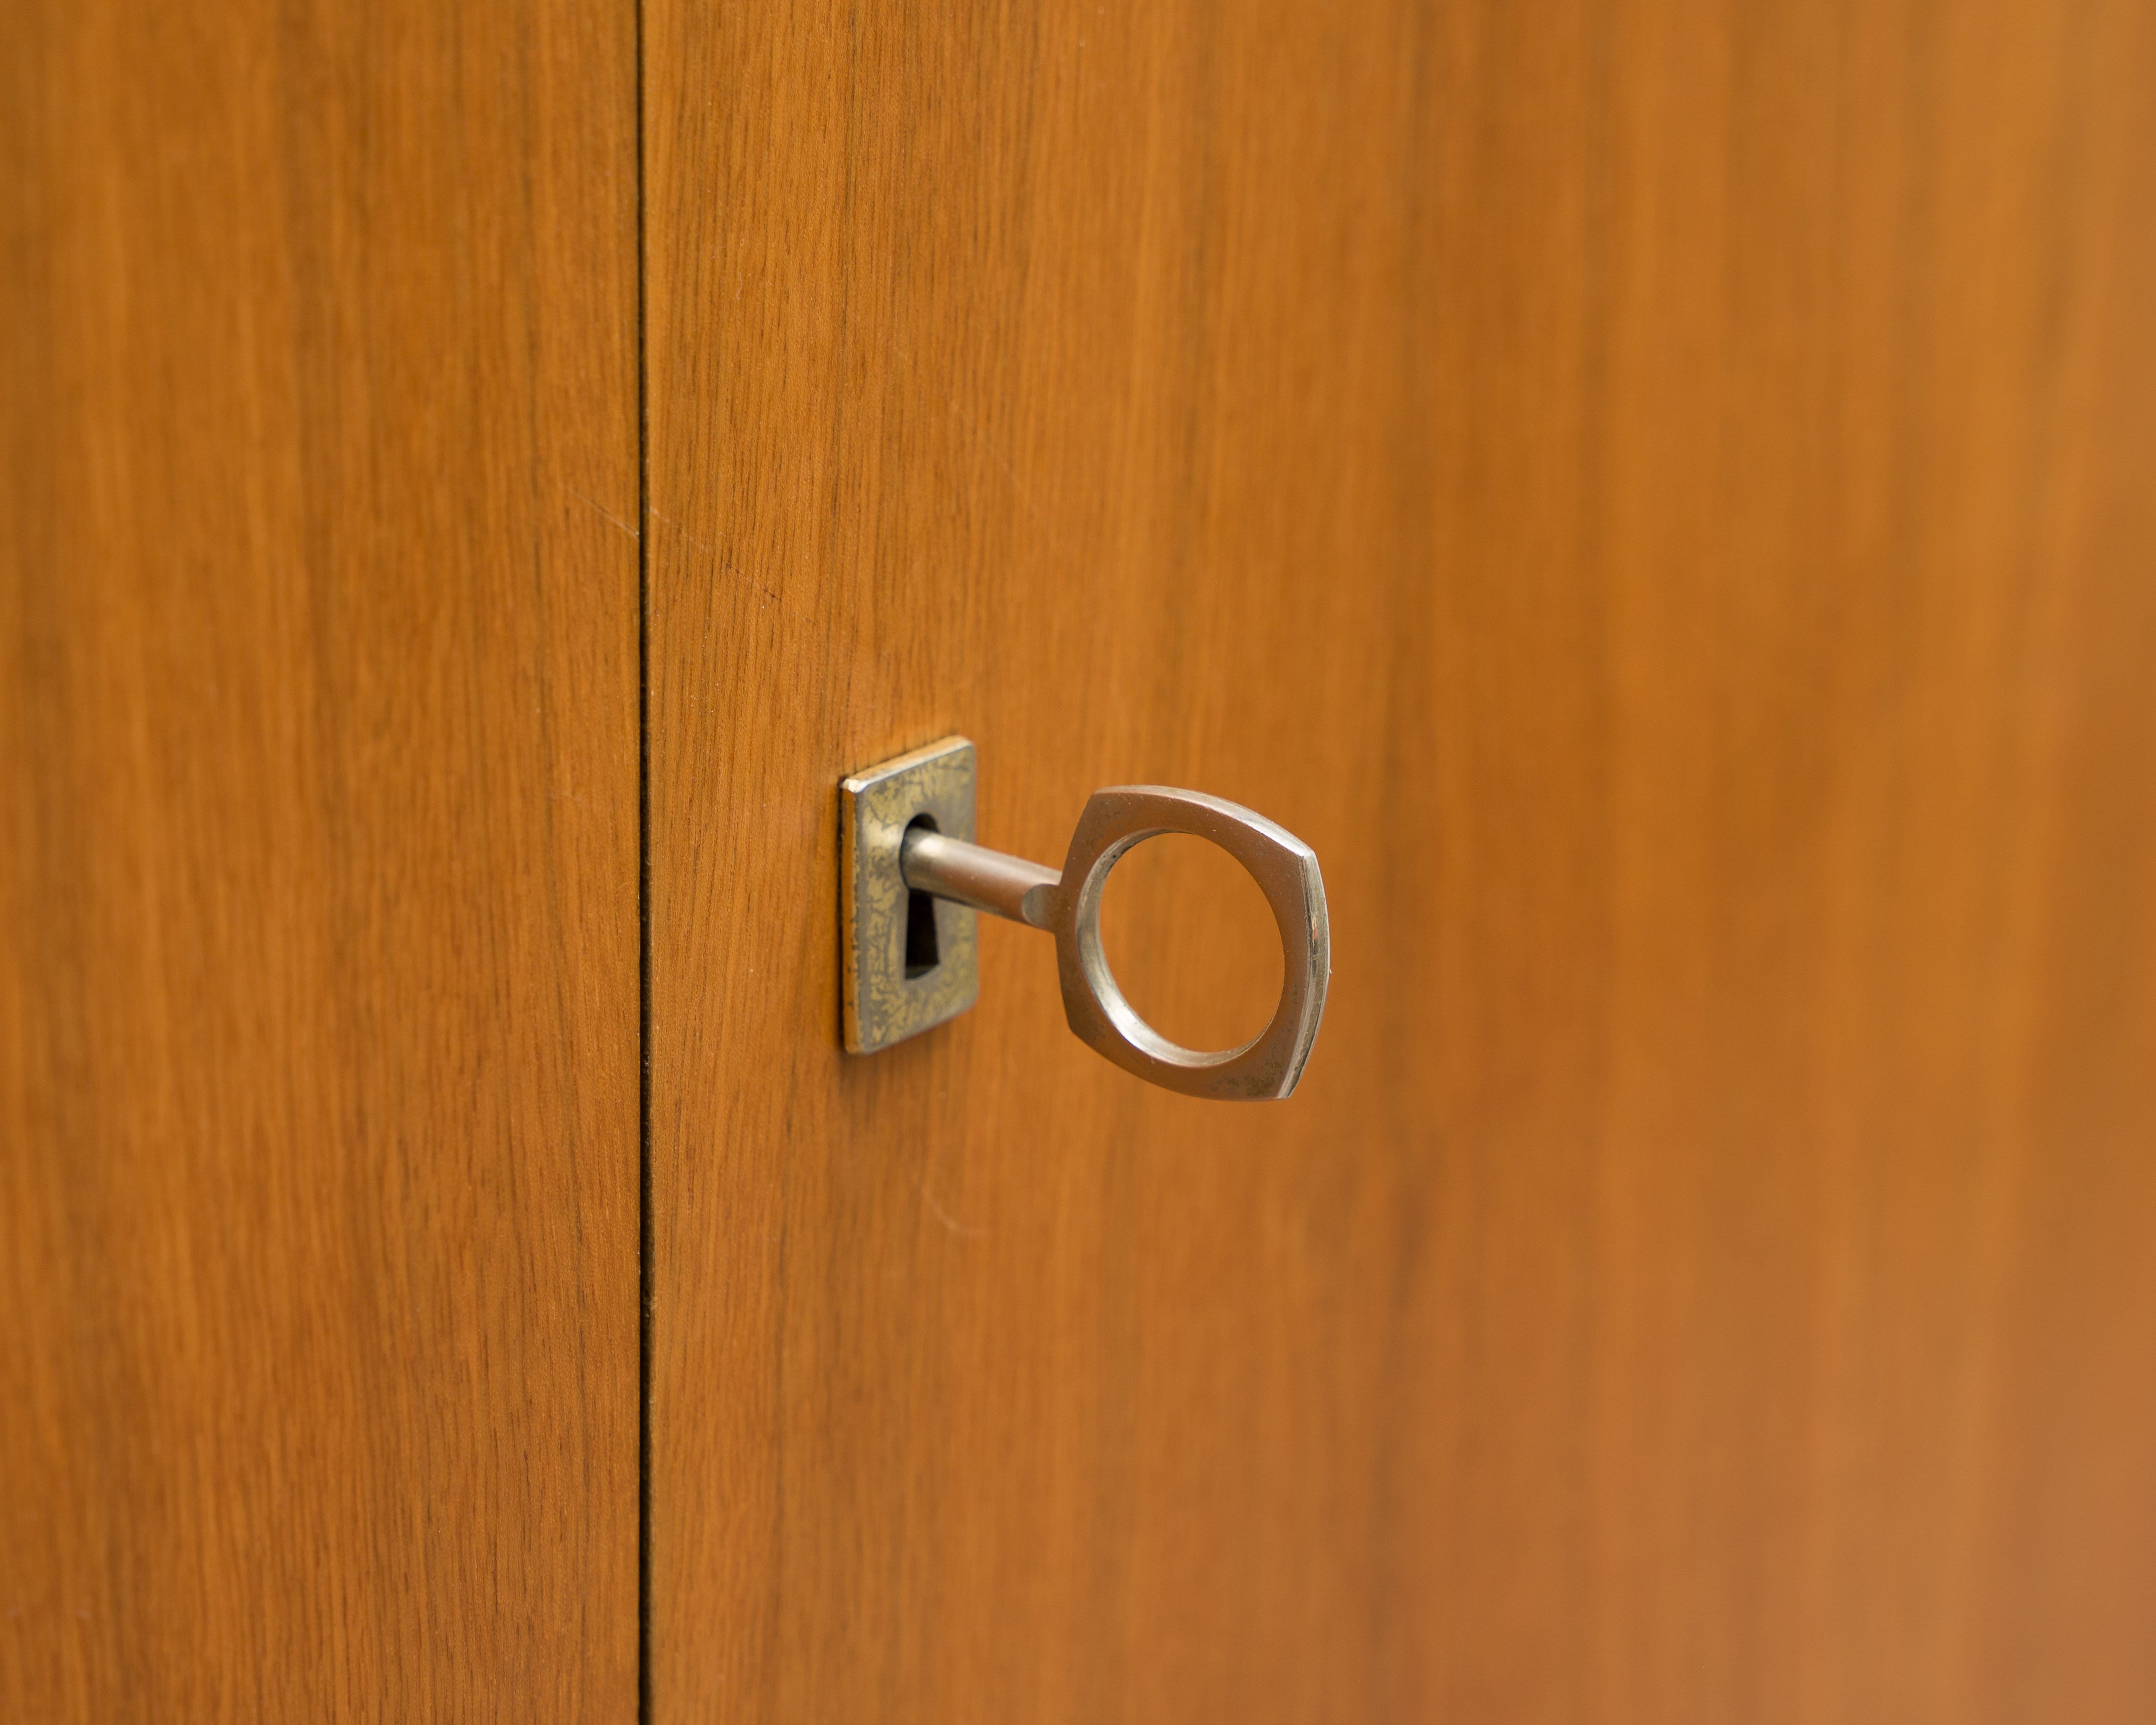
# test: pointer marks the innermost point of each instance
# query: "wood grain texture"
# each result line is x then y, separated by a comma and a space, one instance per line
1658, 494
318, 920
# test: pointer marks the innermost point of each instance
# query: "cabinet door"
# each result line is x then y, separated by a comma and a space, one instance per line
318, 862
1659, 497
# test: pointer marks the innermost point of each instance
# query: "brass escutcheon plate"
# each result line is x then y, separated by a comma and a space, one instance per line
886, 1000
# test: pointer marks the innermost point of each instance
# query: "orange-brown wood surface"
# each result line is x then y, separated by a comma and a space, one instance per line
318, 918
1660, 496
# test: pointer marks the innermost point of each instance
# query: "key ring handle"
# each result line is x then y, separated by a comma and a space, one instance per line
1285, 870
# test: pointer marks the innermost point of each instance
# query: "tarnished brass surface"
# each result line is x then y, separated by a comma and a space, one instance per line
883, 1005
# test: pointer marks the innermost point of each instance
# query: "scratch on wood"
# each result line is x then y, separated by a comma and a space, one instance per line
680, 529
607, 513
945, 1218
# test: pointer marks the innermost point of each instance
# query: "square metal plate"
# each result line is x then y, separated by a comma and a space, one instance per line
891, 995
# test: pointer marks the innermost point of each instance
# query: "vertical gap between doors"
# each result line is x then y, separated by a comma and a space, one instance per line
643, 1705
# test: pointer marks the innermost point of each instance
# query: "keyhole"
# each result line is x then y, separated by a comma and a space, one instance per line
921, 955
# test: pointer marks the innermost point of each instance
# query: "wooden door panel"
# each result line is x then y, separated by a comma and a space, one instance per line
318, 896
1657, 496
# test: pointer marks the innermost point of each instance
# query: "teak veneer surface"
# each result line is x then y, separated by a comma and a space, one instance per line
1659, 495
318, 885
